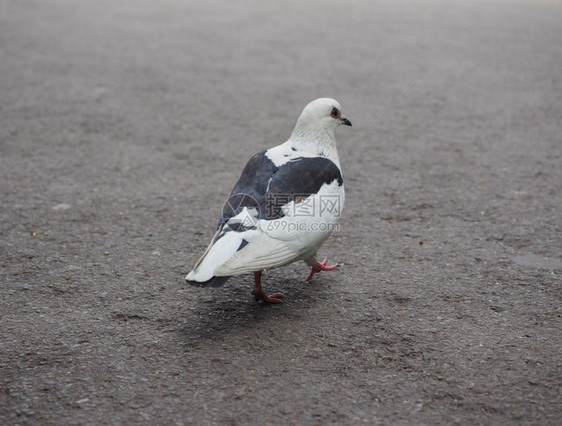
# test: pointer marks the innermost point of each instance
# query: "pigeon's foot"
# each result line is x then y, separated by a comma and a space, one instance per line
272, 298
259, 294
320, 266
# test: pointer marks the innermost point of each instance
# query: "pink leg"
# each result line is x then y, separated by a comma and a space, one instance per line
320, 266
259, 294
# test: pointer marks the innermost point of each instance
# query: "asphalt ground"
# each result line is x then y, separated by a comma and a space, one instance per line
123, 127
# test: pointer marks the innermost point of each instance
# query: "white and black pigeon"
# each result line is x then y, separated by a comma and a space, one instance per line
284, 206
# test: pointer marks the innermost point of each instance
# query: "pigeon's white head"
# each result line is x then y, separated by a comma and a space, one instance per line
319, 120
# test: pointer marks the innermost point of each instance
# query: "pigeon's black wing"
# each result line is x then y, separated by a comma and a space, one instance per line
264, 188
298, 179
250, 188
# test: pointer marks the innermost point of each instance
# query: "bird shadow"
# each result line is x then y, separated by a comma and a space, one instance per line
221, 311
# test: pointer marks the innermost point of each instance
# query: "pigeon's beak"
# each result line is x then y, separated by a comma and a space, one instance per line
345, 121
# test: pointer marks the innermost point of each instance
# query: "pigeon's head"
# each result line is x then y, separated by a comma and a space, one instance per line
321, 116
324, 111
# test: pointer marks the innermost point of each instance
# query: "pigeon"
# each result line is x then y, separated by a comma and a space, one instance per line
283, 208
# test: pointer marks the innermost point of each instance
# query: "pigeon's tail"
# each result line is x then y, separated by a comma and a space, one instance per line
213, 282
221, 249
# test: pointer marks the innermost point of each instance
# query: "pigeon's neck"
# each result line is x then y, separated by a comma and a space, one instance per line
317, 140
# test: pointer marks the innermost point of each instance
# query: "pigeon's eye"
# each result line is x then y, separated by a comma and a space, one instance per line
335, 113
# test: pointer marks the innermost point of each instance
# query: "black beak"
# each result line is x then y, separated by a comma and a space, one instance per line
345, 121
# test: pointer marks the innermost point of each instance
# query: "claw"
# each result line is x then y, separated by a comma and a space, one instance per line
272, 298
259, 294
320, 266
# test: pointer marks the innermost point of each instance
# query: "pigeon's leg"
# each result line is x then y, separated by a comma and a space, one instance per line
320, 266
259, 294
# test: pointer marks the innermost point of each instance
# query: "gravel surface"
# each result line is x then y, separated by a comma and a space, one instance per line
123, 127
